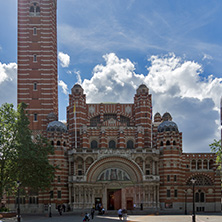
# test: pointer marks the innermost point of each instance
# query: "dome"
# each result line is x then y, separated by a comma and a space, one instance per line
157, 117
168, 126
142, 89
77, 89
167, 117
56, 126
52, 117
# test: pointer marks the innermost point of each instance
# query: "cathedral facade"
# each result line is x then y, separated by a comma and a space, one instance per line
109, 154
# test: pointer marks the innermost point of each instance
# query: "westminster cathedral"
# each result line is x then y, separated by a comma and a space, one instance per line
108, 154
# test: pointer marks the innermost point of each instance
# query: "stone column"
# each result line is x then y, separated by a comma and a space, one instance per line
153, 167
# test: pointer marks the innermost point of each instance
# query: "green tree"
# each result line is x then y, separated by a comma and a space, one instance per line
216, 148
33, 168
22, 157
8, 152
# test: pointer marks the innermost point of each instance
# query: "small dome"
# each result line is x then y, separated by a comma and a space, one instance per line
77, 89
142, 89
157, 117
52, 117
167, 117
56, 126
168, 126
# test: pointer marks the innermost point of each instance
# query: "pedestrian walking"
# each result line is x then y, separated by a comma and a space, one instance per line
120, 214
92, 212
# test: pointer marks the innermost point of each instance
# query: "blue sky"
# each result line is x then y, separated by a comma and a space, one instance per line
112, 46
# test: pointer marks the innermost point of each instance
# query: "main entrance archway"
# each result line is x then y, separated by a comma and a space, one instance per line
117, 176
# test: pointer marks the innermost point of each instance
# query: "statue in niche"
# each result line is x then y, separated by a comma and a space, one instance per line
107, 175
113, 175
120, 175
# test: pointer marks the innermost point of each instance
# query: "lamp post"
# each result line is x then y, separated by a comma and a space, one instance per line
50, 205
193, 214
18, 210
185, 191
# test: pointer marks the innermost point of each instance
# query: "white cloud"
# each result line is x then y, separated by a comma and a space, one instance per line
64, 87
176, 87
64, 59
8, 83
78, 76
206, 56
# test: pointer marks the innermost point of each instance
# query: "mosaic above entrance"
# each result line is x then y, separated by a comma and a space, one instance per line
113, 174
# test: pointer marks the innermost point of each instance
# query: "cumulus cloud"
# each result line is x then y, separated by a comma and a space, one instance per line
176, 87
64, 87
8, 83
64, 59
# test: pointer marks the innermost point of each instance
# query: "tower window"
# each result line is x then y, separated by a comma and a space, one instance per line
168, 178
35, 86
59, 194
34, 58
175, 193
168, 193
34, 31
35, 117
34, 10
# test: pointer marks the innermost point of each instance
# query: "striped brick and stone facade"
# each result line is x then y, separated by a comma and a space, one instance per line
110, 154
37, 60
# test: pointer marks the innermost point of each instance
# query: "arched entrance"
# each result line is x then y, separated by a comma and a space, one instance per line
116, 176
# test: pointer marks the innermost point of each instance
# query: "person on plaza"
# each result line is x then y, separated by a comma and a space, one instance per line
103, 210
86, 217
60, 210
64, 208
120, 214
92, 212
124, 214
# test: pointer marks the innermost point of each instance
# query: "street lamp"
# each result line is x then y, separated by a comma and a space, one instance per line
193, 215
50, 205
185, 191
18, 210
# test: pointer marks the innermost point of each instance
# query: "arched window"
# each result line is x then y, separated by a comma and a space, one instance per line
64, 143
205, 164
37, 10
168, 143
161, 143
94, 144
199, 164
197, 197
130, 144
211, 163
52, 143
34, 10
112, 144
58, 143
174, 143
31, 9
193, 164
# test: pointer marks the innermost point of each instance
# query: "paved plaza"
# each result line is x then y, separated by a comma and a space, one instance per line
114, 218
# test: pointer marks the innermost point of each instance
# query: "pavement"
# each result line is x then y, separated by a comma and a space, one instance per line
114, 218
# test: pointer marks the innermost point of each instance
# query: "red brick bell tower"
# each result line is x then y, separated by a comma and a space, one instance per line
37, 60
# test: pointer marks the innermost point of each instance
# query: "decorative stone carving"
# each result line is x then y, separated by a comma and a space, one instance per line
140, 129
91, 110
128, 110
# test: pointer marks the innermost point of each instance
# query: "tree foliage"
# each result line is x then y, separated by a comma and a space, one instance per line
22, 157
216, 148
